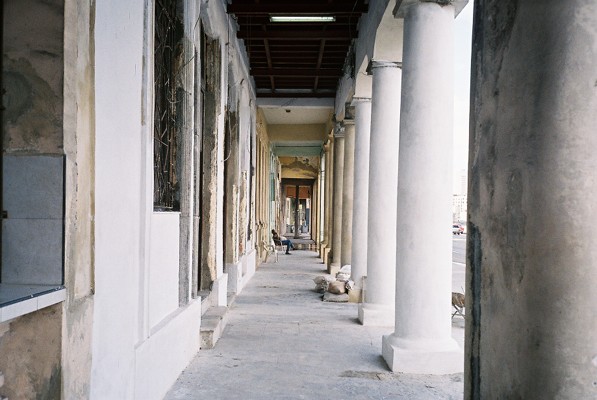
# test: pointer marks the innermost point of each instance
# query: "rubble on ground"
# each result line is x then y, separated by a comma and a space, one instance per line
335, 289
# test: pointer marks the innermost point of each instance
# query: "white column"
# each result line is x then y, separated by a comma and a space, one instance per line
327, 227
337, 200
531, 328
347, 192
378, 304
320, 200
360, 190
422, 341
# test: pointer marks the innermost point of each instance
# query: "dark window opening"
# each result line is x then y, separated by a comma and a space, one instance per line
168, 63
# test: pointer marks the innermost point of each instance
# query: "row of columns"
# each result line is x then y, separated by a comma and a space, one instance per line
531, 327
392, 197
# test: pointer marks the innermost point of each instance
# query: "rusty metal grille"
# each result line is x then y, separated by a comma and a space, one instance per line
167, 61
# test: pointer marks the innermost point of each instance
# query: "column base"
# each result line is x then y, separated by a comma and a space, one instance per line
323, 253
321, 250
220, 289
326, 255
376, 315
235, 274
421, 356
333, 269
355, 295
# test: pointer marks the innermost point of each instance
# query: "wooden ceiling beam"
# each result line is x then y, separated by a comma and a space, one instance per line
331, 45
298, 72
300, 34
319, 59
318, 94
296, 8
269, 63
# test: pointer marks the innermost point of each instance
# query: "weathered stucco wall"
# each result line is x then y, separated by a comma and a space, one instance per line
300, 167
532, 269
33, 76
211, 144
33, 124
31, 356
79, 147
299, 132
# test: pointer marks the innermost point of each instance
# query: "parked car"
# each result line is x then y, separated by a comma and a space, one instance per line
457, 229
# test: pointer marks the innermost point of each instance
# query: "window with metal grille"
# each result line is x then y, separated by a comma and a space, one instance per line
168, 62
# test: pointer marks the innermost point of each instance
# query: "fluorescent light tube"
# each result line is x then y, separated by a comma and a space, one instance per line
302, 18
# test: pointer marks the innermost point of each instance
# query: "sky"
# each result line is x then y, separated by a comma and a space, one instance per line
462, 70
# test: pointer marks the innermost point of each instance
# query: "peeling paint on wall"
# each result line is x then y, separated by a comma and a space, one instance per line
31, 352
300, 167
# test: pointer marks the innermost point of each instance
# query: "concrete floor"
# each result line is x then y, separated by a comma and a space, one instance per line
283, 342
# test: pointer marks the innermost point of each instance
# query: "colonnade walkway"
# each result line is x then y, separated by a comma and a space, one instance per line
283, 342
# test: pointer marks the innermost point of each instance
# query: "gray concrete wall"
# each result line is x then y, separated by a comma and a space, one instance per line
532, 269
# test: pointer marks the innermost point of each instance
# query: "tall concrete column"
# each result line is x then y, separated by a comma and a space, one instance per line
321, 201
337, 200
531, 329
422, 341
378, 304
313, 219
347, 192
297, 202
361, 193
328, 201
325, 203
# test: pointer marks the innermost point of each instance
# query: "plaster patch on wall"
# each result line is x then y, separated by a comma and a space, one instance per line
31, 353
300, 167
33, 110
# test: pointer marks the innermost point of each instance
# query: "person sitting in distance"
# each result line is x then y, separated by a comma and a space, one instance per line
282, 242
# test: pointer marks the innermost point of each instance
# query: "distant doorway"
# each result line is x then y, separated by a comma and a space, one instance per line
297, 208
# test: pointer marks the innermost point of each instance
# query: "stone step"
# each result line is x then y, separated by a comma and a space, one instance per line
213, 323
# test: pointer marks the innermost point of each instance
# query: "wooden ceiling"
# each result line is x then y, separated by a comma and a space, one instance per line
297, 59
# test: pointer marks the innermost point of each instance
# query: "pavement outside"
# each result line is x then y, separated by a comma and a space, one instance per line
283, 342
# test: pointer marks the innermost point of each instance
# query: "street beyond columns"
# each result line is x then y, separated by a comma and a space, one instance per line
458, 262
283, 342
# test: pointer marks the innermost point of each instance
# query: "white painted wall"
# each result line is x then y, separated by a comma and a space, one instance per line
161, 358
163, 265
119, 58
142, 340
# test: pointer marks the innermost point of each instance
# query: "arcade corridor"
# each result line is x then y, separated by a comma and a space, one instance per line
283, 342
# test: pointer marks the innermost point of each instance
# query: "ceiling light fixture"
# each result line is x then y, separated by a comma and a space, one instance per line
302, 18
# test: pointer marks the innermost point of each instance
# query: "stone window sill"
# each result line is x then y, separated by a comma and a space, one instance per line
18, 300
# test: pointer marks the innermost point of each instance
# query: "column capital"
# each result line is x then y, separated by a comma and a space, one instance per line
339, 130
382, 64
348, 111
401, 5
356, 100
